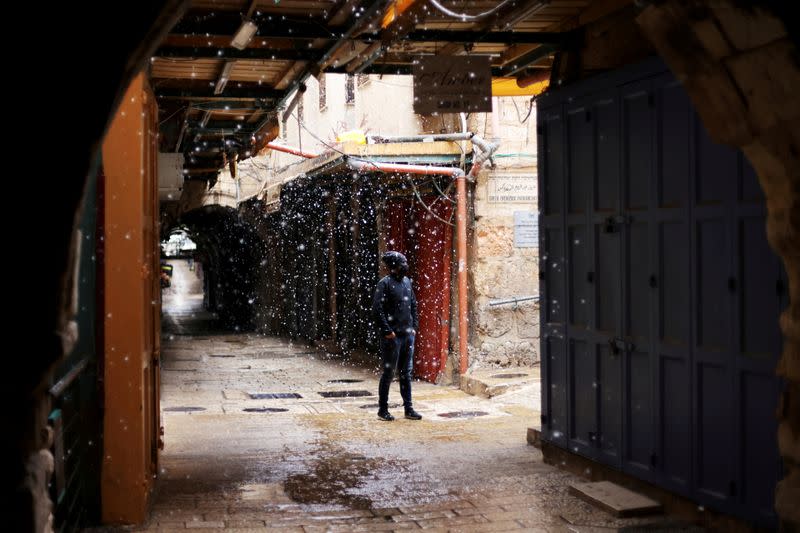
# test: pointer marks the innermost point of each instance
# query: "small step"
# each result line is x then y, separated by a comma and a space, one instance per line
615, 499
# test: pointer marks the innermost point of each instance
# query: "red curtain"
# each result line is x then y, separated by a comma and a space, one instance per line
427, 241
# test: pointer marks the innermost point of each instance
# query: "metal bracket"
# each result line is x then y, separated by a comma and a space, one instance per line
612, 224
618, 345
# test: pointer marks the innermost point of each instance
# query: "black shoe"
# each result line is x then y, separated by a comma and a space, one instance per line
385, 415
413, 415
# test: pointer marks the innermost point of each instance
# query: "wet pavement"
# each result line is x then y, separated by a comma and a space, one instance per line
253, 444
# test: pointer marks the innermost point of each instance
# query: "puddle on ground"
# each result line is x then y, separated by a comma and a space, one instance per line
334, 478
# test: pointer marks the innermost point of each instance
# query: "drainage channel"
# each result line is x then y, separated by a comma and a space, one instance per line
184, 409
509, 376
265, 410
273, 395
345, 380
345, 393
463, 414
376, 406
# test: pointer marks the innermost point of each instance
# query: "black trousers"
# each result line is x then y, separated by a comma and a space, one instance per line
397, 353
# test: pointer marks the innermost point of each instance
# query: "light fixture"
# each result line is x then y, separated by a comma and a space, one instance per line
244, 34
535, 8
223, 77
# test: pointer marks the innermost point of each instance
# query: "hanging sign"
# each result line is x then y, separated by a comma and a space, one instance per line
452, 84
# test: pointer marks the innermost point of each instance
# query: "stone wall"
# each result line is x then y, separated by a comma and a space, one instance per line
507, 334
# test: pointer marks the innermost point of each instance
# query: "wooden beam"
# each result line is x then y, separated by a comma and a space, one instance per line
501, 37
224, 41
289, 75
207, 93
234, 53
222, 23
528, 60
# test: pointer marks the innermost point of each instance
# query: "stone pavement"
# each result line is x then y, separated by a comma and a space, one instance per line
298, 461
255, 441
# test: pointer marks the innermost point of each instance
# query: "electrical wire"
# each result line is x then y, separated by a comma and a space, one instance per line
173, 114
366, 160
530, 109
465, 16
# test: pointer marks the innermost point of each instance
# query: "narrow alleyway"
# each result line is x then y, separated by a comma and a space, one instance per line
262, 433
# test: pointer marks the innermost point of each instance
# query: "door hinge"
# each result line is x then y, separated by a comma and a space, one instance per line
544, 419
653, 460
779, 287
732, 488
732, 284
588, 116
653, 281
590, 277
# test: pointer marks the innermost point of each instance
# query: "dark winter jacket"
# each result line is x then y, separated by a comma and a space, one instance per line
395, 306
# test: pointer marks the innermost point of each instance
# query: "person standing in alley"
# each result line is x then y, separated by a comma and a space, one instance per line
395, 310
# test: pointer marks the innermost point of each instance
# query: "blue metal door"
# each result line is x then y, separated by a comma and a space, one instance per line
660, 294
670, 285
638, 117
713, 184
552, 275
759, 291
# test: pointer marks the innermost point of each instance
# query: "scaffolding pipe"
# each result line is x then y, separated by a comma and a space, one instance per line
513, 300
466, 136
290, 150
399, 168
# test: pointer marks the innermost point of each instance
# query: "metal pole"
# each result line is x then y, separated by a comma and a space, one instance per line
466, 136
461, 258
513, 300
290, 150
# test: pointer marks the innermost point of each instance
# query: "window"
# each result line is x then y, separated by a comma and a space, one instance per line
363, 79
283, 128
300, 107
323, 96
349, 90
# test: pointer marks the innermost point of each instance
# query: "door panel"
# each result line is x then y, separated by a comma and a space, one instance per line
583, 397
555, 393
579, 266
610, 399
639, 413
713, 309
674, 459
714, 463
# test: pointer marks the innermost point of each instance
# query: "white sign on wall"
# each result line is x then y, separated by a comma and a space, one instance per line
526, 229
452, 84
514, 188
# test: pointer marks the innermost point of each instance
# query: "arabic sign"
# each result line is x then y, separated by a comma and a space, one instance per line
452, 84
526, 229
514, 188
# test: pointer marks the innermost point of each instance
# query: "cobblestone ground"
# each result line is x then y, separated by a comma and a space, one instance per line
238, 459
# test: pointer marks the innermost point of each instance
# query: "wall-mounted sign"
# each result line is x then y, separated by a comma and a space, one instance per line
452, 84
526, 229
514, 188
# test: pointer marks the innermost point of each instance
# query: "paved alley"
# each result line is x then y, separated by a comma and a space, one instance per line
263, 434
